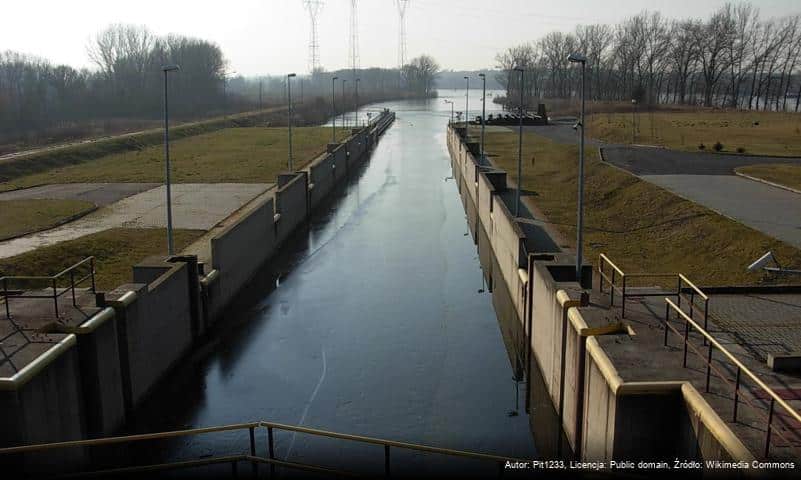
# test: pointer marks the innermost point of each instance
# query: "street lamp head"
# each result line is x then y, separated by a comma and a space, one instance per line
519, 69
170, 68
467, 78
335, 78
291, 75
576, 57
482, 75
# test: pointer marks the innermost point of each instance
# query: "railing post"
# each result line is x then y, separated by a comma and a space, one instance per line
708, 366
612, 290
770, 421
72, 287
686, 335
623, 300
271, 450
254, 465
667, 320
736, 395
92, 265
386, 461
55, 297
678, 291
601, 271
706, 317
234, 470
5, 298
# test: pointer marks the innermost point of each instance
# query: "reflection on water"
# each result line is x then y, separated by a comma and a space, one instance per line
375, 319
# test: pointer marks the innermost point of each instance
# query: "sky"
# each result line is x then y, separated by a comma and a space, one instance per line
261, 37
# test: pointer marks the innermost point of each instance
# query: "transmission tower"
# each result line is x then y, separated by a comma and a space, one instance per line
402, 5
314, 7
353, 47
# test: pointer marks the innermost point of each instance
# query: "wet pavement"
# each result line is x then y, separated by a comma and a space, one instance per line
374, 322
195, 206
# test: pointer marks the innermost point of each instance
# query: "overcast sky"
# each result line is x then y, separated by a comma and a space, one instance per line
272, 36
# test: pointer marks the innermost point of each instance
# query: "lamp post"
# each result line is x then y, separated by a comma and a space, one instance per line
483, 108
579, 58
451, 102
519, 147
333, 111
467, 107
166, 69
344, 106
634, 120
356, 102
289, 100
225, 93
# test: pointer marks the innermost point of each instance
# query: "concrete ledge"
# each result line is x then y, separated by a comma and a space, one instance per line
790, 362
37, 365
767, 182
722, 433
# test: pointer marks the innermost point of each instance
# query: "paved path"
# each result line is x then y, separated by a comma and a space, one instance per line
661, 161
195, 206
98, 193
773, 211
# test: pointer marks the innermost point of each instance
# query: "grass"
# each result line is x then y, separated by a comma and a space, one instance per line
115, 251
18, 217
763, 133
244, 155
641, 226
781, 173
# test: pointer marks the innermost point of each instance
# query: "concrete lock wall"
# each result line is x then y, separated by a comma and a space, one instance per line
99, 355
94, 378
43, 403
291, 206
240, 250
602, 416
156, 329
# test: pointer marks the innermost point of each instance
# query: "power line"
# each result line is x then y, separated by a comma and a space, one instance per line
313, 7
402, 6
353, 47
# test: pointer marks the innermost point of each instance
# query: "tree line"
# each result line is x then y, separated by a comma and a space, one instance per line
733, 59
39, 99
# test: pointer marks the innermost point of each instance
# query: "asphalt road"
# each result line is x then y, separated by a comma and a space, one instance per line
705, 178
195, 206
661, 161
98, 193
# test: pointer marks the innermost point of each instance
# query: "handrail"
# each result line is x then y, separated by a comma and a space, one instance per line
253, 458
692, 285
391, 443
741, 368
681, 279
125, 438
53, 281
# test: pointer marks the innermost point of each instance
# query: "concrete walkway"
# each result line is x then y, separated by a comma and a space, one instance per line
707, 179
98, 193
771, 210
195, 206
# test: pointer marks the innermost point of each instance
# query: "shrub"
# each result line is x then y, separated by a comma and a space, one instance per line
740, 150
702, 147
718, 146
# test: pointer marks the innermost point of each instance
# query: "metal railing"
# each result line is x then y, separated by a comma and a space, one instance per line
253, 457
713, 344
619, 282
16, 286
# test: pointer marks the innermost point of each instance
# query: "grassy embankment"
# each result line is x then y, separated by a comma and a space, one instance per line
248, 155
761, 133
236, 155
18, 217
115, 251
639, 225
782, 174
